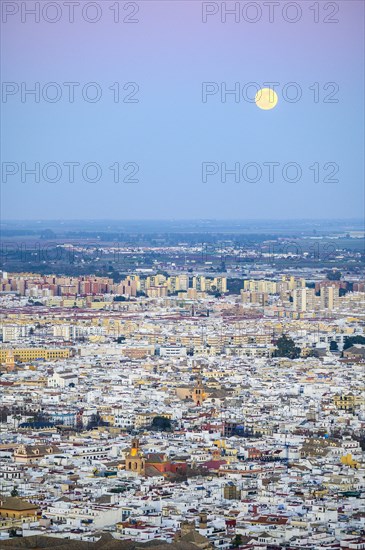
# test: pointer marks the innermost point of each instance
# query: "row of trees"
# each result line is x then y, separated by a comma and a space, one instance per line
351, 340
285, 347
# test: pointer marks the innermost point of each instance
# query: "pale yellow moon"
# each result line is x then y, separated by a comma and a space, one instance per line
266, 99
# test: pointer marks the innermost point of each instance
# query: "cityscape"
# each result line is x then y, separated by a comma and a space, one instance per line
182, 275
188, 392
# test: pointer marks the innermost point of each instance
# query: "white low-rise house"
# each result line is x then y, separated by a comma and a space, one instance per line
172, 351
62, 380
94, 452
84, 514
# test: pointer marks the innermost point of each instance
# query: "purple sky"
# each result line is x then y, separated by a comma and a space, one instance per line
169, 132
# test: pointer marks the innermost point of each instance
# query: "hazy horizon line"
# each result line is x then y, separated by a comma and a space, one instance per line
177, 219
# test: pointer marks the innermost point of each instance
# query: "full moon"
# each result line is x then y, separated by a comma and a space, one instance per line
266, 99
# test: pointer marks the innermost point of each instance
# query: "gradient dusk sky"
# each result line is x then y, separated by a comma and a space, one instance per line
170, 132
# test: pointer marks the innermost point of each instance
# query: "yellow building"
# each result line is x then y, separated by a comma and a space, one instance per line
17, 508
348, 460
348, 402
30, 354
32, 454
260, 285
231, 492
199, 283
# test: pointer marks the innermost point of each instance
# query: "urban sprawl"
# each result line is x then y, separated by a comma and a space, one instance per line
164, 410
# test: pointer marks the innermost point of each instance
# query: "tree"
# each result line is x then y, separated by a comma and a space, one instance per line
14, 492
334, 275
115, 275
285, 347
333, 345
96, 421
313, 353
351, 340
234, 286
120, 339
237, 541
161, 423
119, 299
